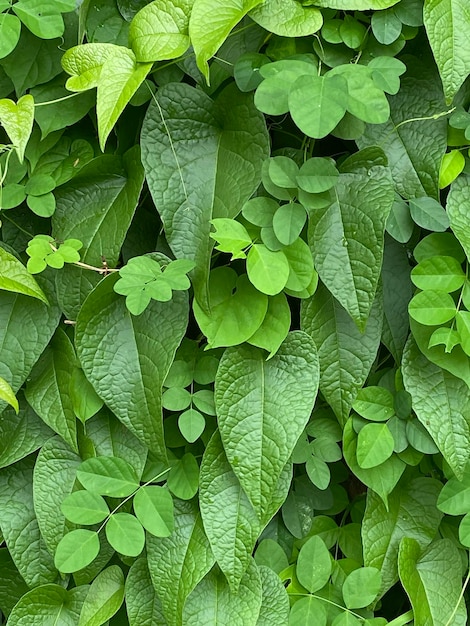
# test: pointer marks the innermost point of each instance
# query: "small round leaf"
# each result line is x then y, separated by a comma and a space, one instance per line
153, 507
76, 550
125, 534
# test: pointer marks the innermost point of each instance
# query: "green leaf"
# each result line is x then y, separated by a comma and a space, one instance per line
85, 401
374, 403
48, 388
225, 14
212, 601
446, 23
432, 307
287, 18
15, 277
346, 239
230, 521
13, 587
108, 476
463, 328
365, 100
183, 479
106, 192
443, 273
454, 497
458, 201
272, 94
85, 507
317, 175
153, 507
441, 404
381, 479
386, 26
190, 175
116, 73
274, 600
374, 445
266, 417
7, 395
191, 424
160, 31
268, 271
125, 534
452, 166
142, 603
361, 587
42, 18
17, 120
429, 214
432, 579
131, 388
302, 275
10, 28
386, 72
275, 326
309, 610
20, 434
179, 562
104, 597
19, 525
238, 309
231, 236
330, 95
345, 354
53, 480
76, 550
314, 564
414, 164
44, 206
411, 513
49, 604
288, 222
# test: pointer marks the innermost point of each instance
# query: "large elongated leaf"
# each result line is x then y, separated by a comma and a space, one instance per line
48, 390
274, 601
412, 513
19, 525
347, 239
447, 23
21, 434
15, 277
53, 480
287, 18
432, 579
230, 520
179, 562
126, 358
26, 326
345, 354
96, 207
207, 36
191, 148
212, 601
397, 291
442, 404
143, 604
50, 604
104, 597
415, 148
458, 210
262, 409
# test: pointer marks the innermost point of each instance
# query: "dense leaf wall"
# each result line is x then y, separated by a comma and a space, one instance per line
234, 312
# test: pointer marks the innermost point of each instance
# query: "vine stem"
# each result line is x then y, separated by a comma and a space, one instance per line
131, 496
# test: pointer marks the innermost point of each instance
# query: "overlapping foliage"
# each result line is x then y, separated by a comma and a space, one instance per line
234, 312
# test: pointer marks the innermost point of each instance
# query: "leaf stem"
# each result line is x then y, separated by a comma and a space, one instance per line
43, 104
452, 615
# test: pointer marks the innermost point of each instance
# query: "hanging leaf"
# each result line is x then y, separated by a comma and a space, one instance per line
346, 239
225, 14
268, 414
17, 120
131, 388
228, 128
441, 404
15, 277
